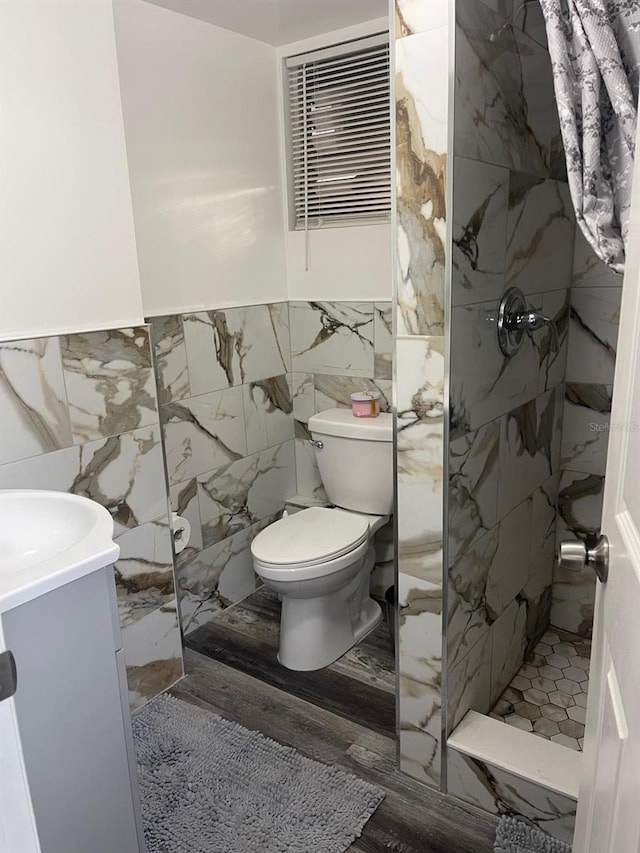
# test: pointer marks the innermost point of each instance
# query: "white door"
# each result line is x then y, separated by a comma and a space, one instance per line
608, 819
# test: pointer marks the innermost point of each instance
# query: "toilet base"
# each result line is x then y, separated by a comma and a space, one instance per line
371, 621
316, 632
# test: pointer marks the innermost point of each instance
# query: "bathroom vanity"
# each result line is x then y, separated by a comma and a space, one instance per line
68, 781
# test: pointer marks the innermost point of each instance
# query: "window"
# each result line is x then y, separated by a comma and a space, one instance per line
340, 134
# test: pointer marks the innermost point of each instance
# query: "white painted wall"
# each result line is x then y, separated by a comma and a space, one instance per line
352, 263
201, 123
203, 126
66, 228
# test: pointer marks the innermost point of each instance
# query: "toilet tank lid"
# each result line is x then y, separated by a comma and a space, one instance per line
342, 422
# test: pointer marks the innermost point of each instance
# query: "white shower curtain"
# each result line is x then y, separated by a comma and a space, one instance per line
595, 54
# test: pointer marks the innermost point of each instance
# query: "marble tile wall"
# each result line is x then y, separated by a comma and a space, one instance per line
79, 414
514, 479
512, 226
528, 435
226, 409
499, 792
236, 390
421, 90
337, 348
509, 178
518, 132
595, 308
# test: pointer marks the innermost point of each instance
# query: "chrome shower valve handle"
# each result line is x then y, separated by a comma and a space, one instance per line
531, 321
515, 318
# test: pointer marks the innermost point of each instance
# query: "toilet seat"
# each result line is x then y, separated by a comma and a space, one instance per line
311, 538
293, 575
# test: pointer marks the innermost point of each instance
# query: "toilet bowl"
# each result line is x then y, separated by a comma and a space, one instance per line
320, 560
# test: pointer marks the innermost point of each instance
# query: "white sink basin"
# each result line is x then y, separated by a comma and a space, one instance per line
48, 539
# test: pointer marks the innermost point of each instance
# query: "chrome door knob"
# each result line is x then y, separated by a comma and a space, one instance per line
574, 556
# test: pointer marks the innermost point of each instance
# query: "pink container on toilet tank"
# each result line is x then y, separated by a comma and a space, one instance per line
365, 404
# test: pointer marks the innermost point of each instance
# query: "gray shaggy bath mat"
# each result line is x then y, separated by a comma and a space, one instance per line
211, 786
515, 836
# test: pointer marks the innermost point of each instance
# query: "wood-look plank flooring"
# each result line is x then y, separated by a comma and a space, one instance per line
360, 686
371, 661
411, 818
342, 715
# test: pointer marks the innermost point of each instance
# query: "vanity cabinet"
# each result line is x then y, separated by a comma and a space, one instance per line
70, 722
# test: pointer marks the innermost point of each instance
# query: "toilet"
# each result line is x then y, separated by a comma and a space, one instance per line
320, 560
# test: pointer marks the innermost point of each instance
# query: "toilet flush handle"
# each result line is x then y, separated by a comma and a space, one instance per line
317, 445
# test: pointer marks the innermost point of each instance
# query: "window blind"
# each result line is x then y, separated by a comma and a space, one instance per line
340, 134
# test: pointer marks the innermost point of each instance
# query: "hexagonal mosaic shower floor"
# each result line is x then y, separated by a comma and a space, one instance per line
548, 696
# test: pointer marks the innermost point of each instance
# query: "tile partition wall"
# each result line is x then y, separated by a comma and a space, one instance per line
421, 128
236, 389
79, 414
593, 330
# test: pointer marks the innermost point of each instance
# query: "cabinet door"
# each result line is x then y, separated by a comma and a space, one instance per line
70, 718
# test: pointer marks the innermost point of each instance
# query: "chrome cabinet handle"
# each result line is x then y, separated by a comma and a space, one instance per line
515, 318
574, 555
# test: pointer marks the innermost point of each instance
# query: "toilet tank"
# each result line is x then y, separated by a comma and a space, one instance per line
355, 460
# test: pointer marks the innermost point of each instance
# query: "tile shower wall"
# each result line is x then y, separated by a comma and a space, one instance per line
421, 91
227, 419
510, 154
512, 226
593, 330
79, 414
